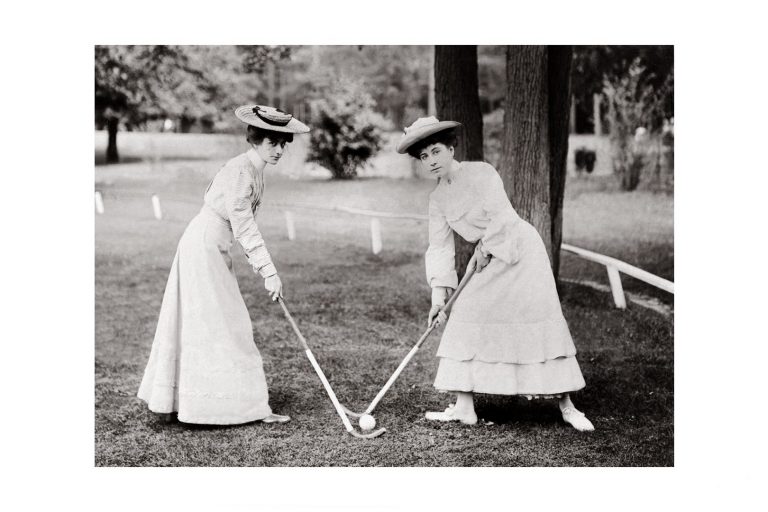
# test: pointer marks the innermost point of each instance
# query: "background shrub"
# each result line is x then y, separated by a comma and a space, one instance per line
346, 130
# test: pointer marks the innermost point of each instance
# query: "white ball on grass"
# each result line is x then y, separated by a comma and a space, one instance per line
367, 422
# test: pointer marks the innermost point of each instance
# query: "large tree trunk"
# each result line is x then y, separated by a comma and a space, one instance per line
525, 148
431, 109
457, 99
112, 156
535, 145
596, 114
559, 63
271, 83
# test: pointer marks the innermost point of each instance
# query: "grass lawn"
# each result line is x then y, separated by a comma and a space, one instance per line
361, 314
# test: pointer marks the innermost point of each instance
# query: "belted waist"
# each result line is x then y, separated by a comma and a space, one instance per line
212, 214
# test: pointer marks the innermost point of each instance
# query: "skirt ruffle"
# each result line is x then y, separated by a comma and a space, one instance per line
506, 333
513, 342
556, 376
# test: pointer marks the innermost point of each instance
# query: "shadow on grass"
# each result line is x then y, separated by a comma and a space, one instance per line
503, 410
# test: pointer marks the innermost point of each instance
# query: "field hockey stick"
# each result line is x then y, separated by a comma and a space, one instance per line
445, 309
326, 385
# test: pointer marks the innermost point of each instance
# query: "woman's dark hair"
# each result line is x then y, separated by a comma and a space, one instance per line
446, 137
256, 136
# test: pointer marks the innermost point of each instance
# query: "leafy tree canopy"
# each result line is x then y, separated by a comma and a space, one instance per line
139, 83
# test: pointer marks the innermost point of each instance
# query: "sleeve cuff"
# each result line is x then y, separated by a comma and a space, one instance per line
268, 270
450, 280
439, 294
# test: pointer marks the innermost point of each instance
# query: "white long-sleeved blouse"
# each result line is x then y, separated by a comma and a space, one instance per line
475, 206
235, 193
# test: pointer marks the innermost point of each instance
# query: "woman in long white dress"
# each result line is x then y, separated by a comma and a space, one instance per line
506, 334
204, 364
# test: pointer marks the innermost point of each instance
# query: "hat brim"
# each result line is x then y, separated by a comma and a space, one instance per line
246, 115
415, 135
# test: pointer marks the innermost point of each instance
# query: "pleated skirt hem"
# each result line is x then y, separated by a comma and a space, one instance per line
230, 412
255, 415
548, 378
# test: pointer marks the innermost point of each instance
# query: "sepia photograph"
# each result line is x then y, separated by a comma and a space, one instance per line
384, 255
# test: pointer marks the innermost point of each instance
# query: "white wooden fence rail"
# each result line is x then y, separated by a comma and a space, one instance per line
612, 265
354, 211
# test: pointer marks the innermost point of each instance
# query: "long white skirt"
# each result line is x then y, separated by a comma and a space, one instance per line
506, 334
204, 363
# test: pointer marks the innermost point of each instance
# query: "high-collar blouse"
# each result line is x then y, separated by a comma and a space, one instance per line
236, 193
475, 206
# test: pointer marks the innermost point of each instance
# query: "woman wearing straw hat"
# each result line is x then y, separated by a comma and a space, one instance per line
204, 363
506, 334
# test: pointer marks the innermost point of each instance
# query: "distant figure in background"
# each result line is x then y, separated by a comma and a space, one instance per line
204, 363
507, 334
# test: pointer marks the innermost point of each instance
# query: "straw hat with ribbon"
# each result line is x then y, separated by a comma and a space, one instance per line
422, 128
270, 118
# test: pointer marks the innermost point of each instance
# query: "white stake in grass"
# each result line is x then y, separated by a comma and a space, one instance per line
99, 203
375, 236
289, 225
156, 207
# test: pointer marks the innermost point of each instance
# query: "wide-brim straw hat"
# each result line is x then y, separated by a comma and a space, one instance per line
270, 118
422, 128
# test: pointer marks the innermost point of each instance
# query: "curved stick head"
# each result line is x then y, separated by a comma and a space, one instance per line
351, 413
375, 433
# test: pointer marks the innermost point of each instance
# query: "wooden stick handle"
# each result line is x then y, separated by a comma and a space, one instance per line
446, 308
399, 370
318, 370
335, 401
464, 280
293, 324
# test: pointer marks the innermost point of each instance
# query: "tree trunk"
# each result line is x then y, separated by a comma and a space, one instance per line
112, 156
535, 145
185, 124
457, 99
559, 63
431, 109
572, 126
525, 156
271, 94
280, 87
596, 114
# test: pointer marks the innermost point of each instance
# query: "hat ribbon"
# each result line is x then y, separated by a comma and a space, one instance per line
274, 122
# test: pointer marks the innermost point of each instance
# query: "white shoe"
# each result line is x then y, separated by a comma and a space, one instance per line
449, 414
577, 419
276, 418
